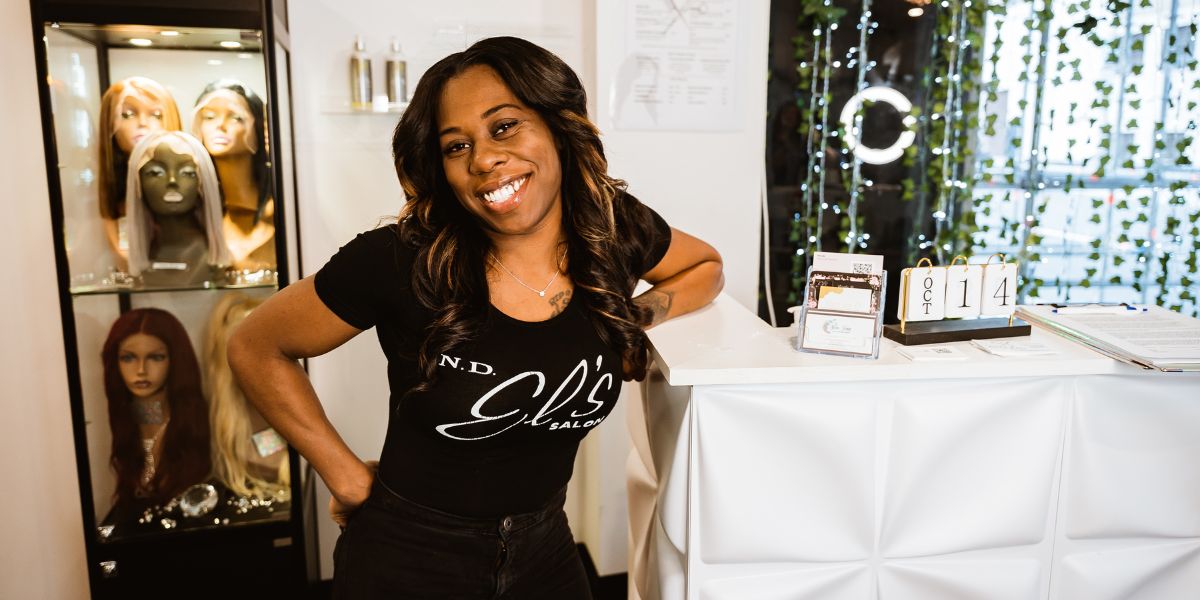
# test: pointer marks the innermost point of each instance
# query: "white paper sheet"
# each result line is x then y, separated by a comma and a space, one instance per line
680, 67
1158, 333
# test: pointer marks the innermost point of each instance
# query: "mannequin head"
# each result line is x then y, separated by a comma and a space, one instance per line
226, 125
230, 413
185, 442
170, 182
144, 363
231, 121
130, 110
170, 174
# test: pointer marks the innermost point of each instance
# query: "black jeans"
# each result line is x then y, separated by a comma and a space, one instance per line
396, 548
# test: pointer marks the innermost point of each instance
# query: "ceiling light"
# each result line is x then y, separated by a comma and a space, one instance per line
245, 55
168, 33
214, 62
916, 12
140, 42
231, 44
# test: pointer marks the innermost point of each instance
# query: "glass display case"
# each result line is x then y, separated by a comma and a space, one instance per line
169, 152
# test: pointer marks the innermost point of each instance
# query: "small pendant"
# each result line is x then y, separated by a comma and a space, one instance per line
542, 293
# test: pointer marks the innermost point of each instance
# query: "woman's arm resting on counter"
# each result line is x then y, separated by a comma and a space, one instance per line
688, 277
264, 354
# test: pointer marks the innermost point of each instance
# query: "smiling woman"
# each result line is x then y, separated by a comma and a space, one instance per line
504, 302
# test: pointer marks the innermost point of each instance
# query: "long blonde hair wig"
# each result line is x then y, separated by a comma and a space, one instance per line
140, 228
229, 413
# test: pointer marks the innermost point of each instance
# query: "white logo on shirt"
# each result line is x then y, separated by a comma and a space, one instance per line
545, 415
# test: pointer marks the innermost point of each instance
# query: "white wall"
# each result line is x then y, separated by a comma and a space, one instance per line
42, 548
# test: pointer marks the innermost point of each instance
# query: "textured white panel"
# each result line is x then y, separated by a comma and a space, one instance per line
669, 424
783, 476
1010, 579
972, 465
1134, 454
825, 583
1161, 572
668, 568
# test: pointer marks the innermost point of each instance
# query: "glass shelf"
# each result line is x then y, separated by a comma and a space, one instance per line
231, 511
253, 281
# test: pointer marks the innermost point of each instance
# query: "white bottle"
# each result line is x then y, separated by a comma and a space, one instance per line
397, 75
360, 76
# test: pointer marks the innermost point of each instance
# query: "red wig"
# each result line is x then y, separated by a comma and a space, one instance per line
185, 446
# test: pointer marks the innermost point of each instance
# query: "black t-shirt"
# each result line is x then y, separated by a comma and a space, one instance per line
498, 432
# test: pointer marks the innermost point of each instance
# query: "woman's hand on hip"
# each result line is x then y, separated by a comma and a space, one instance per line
343, 503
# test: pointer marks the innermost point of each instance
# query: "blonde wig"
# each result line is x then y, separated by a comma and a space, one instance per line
208, 212
113, 161
229, 412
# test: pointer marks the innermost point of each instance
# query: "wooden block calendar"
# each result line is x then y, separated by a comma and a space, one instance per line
929, 295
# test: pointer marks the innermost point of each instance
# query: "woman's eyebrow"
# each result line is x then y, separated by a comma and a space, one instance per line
487, 113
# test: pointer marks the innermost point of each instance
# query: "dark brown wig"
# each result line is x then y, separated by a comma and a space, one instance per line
185, 445
606, 229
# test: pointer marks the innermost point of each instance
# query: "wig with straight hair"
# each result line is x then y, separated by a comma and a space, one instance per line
607, 231
256, 136
140, 227
185, 443
233, 451
113, 161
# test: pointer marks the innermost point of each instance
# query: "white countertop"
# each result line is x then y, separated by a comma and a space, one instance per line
724, 343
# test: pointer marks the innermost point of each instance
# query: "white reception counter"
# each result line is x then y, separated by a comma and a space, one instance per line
770, 474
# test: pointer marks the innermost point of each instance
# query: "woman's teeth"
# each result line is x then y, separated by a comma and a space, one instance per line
505, 192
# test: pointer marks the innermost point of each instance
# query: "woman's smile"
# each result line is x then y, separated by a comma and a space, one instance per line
503, 195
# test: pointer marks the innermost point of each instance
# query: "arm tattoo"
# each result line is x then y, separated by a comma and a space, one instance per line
659, 303
560, 301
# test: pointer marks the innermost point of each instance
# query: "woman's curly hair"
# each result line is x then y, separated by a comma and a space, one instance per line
607, 230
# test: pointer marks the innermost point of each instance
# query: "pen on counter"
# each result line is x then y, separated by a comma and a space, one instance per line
1104, 309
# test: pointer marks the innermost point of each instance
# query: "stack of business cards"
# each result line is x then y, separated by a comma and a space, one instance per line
932, 353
